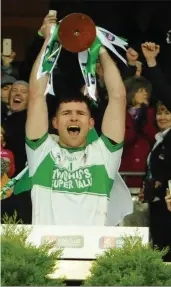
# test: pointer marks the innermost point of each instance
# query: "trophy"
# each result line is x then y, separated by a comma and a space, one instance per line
77, 33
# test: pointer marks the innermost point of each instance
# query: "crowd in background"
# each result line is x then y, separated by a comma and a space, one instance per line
147, 145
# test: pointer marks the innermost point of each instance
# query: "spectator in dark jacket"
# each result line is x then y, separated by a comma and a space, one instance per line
156, 183
140, 129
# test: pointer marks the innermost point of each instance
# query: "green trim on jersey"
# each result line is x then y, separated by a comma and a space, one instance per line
90, 179
72, 149
111, 147
44, 172
92, 136
35, 144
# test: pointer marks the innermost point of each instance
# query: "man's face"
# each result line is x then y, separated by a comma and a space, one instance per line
73, 121
18, 97
5, 93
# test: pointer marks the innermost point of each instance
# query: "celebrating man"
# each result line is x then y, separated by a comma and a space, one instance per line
71, 180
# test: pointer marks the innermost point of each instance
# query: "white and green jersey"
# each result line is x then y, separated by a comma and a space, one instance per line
71, 186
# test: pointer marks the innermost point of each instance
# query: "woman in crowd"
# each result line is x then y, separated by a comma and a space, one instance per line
140, 129
156, 183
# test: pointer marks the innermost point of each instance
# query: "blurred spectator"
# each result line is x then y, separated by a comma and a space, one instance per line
6, 85
156, 183
140, 129
7, 155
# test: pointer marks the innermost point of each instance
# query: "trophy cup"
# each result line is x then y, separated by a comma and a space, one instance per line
77, 33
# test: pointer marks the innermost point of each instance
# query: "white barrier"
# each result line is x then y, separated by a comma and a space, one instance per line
85, 242
81, 244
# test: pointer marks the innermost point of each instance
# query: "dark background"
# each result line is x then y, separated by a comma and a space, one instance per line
135, 20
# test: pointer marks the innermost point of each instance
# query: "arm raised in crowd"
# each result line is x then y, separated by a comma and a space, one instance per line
113, 124
37, 114
132, 59
154, 74
134, 67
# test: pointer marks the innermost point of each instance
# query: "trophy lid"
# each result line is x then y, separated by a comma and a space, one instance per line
77, 32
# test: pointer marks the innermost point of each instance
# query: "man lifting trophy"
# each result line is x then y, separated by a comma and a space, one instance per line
75, 182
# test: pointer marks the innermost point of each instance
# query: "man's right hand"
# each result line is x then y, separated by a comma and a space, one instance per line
150, 51
48, 22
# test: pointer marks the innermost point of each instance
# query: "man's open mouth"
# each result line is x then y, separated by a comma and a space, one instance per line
17, 100
73, 130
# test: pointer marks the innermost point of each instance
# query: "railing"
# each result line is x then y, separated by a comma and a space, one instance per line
131, 173
124, 174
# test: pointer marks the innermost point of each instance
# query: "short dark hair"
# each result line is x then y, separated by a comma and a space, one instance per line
133, 84
75, 96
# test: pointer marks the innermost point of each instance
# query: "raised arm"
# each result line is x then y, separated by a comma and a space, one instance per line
37, 114
162, 90
113, 124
